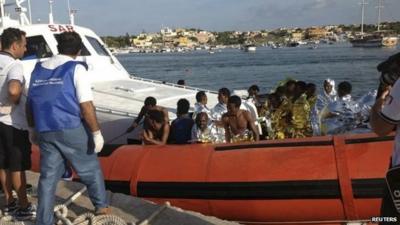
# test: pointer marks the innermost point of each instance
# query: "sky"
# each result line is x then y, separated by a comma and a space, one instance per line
118, 17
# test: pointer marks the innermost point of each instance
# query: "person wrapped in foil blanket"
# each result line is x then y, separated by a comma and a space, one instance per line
346, 115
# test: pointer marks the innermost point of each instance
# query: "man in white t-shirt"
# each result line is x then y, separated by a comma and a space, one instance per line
201, 104
384, 118
218, 111
15, 148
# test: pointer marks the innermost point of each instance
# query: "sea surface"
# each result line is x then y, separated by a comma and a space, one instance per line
235, 69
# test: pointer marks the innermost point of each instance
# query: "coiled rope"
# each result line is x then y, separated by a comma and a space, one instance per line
61, 212
9, 220
89, 219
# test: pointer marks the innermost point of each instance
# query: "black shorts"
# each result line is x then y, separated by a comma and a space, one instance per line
388, 209
131, 141
15, 149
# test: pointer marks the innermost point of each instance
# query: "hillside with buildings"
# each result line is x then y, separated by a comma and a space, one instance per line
169, 39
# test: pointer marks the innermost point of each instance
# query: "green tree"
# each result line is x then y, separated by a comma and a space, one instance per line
228, 38
194, 39
127, 40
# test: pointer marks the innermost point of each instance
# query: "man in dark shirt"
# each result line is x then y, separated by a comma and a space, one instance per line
181, 127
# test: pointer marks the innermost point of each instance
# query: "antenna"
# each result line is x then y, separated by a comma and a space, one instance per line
51, 19
72, 16
30, 11
2, 12
23, 20
71, 13
69, 7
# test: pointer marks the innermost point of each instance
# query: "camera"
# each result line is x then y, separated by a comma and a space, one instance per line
390, 72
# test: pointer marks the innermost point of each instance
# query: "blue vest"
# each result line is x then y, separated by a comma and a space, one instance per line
52, 97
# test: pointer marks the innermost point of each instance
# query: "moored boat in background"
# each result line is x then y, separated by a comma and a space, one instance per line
378, 38
249, 48
120, 51
391, 41
370, 41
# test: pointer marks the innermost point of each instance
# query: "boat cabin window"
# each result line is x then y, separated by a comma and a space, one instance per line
36, 48
84, 51
98, 47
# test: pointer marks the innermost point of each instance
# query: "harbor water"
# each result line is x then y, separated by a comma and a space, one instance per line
236, 69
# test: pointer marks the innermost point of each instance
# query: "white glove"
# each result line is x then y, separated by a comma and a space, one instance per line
5, 109
98, 141
33, 138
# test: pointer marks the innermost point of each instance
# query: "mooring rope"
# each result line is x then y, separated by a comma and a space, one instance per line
9, 220
61, 213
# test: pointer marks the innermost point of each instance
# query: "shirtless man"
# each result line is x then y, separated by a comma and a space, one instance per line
156, 129
150, 103
238, 121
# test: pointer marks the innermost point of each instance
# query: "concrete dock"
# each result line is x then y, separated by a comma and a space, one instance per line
130, 209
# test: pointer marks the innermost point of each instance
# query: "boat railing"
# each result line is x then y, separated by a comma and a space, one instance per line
131, 90
175, 97
172, 84
115, 112
117, 95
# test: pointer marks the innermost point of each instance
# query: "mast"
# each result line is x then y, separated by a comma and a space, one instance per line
363, 4
380, 7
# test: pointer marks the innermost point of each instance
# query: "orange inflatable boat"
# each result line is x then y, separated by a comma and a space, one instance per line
339, 178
